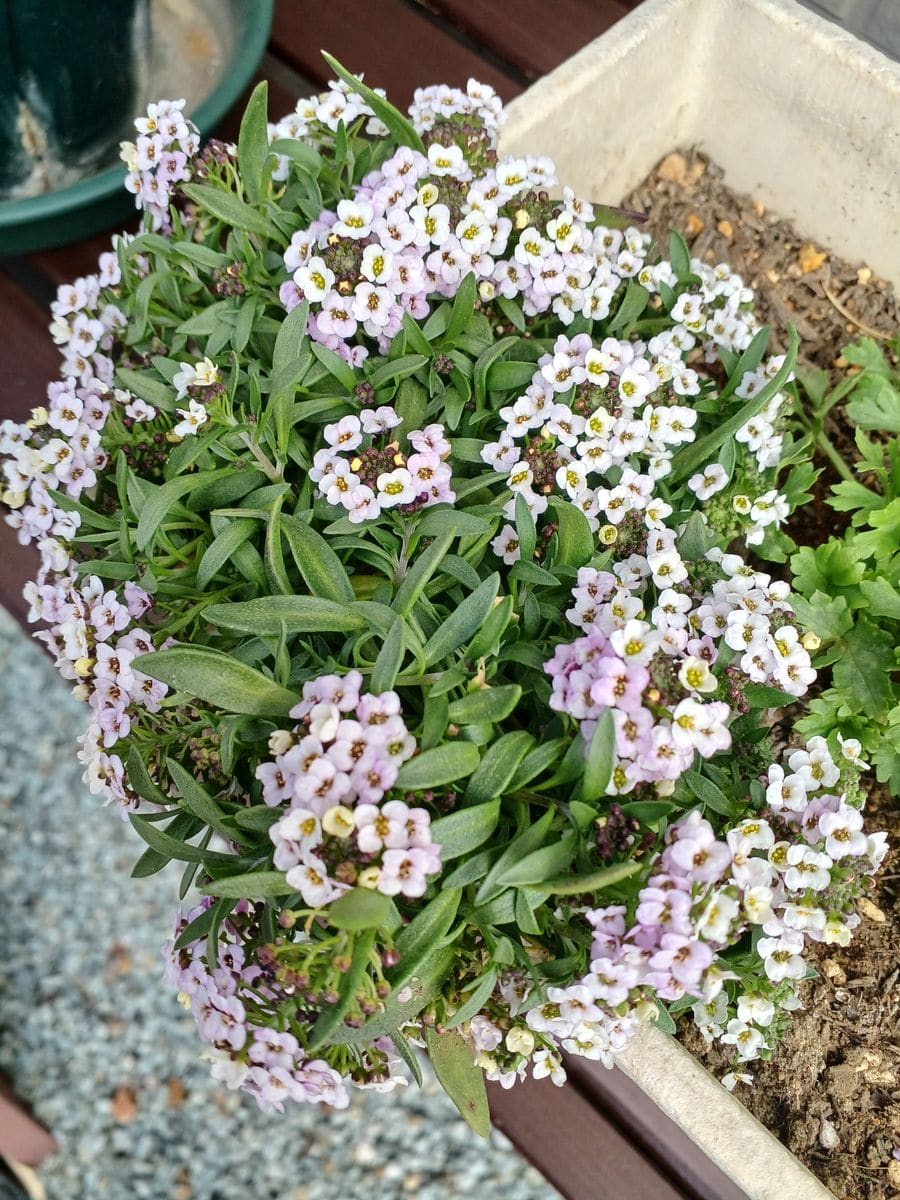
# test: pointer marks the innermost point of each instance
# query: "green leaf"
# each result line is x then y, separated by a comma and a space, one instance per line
507, 375
254, 885
544, 863
322, 570
197, 800
454, 1065
875, 404
259, 817
489, 704
434, 768
183, 826
389, 660
864, 669
827, 616
171, 846
397, 368
423, 935
529, 840
361, 908
163, 498
463, 622
478, 997
498, 766
574, 542
711, 795
406, 1002
140, 781
679, 255
296, 614
634, 302
600, 758
143, 385
463, 307
456, 521
463, 831
228, 208
217, 679
595, 881
253, 142
526, 530
419, 574
696, 538
400, 128
883, 598
331, 1017
760, 695
222, 547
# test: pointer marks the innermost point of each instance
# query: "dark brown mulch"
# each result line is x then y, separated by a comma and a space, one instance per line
832, 1091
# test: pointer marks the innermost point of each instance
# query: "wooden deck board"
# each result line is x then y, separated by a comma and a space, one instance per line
533, 35
395, 44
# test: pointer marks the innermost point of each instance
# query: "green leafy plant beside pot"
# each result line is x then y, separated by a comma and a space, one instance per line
392, 517
849, 597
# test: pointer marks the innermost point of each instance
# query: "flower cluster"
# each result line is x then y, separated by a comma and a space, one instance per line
367, 479
268, 1064
334, 770
316, 119
160, 158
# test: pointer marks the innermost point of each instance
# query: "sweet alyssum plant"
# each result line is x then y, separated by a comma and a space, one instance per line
391, 515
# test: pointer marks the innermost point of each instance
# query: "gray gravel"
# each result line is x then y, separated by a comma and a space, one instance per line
98, 1044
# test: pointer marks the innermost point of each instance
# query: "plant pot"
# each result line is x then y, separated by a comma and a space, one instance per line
239, 35
797, 113
68, 86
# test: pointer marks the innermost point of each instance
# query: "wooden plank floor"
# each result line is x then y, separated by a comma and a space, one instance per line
599, 1138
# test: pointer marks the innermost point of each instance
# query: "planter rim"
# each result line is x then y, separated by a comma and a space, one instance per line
740, 1146
255, 24
798, 112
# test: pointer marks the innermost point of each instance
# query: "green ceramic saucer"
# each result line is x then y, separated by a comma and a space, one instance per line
92, 205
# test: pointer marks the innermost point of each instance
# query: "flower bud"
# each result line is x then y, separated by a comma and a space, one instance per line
369, 878
520, 1041
280, 741
82, 667
39, 417
811, 641
487, 290
521, 220
339, 821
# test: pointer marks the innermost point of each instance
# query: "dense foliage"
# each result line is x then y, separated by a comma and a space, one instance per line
392, 517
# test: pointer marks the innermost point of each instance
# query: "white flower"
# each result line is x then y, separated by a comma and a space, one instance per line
695, 674
446, 160
851, 749
755, 1008
193, 416
746, 1040
506, 545
315, 279
706, 483
324, 721
395, 487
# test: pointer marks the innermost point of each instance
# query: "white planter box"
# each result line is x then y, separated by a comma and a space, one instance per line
807, 119
798, 112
